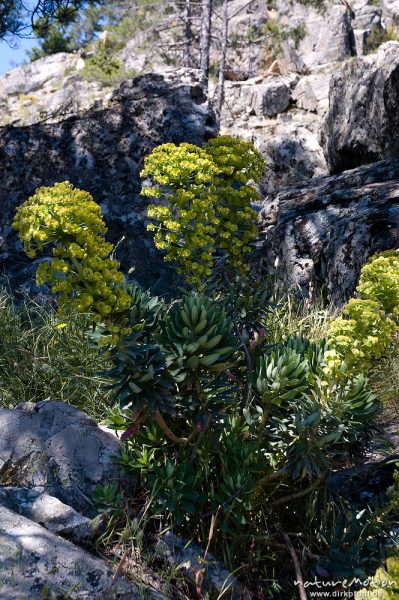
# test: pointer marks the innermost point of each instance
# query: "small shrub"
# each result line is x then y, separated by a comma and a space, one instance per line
104, 66
225, 429
379, 36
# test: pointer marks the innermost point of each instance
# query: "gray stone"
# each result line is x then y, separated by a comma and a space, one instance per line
292, 154
51, 513
48, 90
191, 560
36, 564
272, 98
362, 124
259, 96
311, 92
316, 236
54, 448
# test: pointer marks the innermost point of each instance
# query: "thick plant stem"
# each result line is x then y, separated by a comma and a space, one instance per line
271, 477
297, 567
263, 424
169, 434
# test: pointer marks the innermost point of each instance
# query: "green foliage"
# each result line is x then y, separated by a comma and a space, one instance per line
369, 323
280, 376
275, 34
104, 66
42, 358
196, 336
384, 583
287, 317
56, 40
206, 196
379, 36
14, 15
107, 497
384, 382
81, 272
245, 465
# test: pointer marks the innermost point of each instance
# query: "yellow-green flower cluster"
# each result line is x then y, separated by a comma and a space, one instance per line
241, 165
379, 281
206, 202
370, 322
81, 271
186, 225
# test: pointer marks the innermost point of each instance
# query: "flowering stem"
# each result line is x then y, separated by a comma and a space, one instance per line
169, 434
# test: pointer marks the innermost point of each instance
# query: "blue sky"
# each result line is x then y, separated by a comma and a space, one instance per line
10, 57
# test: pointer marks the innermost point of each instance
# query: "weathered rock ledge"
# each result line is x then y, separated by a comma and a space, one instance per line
316, 236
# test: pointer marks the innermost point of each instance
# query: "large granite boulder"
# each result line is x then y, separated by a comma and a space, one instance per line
47, 90
35, 564
292, 154
316, 236
362, 123
54, 448
102, 150
52, 457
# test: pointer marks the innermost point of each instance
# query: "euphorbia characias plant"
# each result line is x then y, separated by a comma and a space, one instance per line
205, 210
69, 222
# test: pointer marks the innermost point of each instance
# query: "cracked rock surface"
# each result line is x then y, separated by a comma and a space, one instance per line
37, 564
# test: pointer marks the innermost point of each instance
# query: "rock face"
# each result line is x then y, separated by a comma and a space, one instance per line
54, 448
285, 131
102, 151
48, 90
328, 34
316, 236
362, 124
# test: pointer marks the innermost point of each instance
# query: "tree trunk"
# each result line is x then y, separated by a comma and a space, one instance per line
206, 16
187, 34
223, 57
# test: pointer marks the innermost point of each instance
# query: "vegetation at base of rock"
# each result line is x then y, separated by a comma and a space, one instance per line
228, 428
275, 34
41, 357
369, 325
379, 36
104, 66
